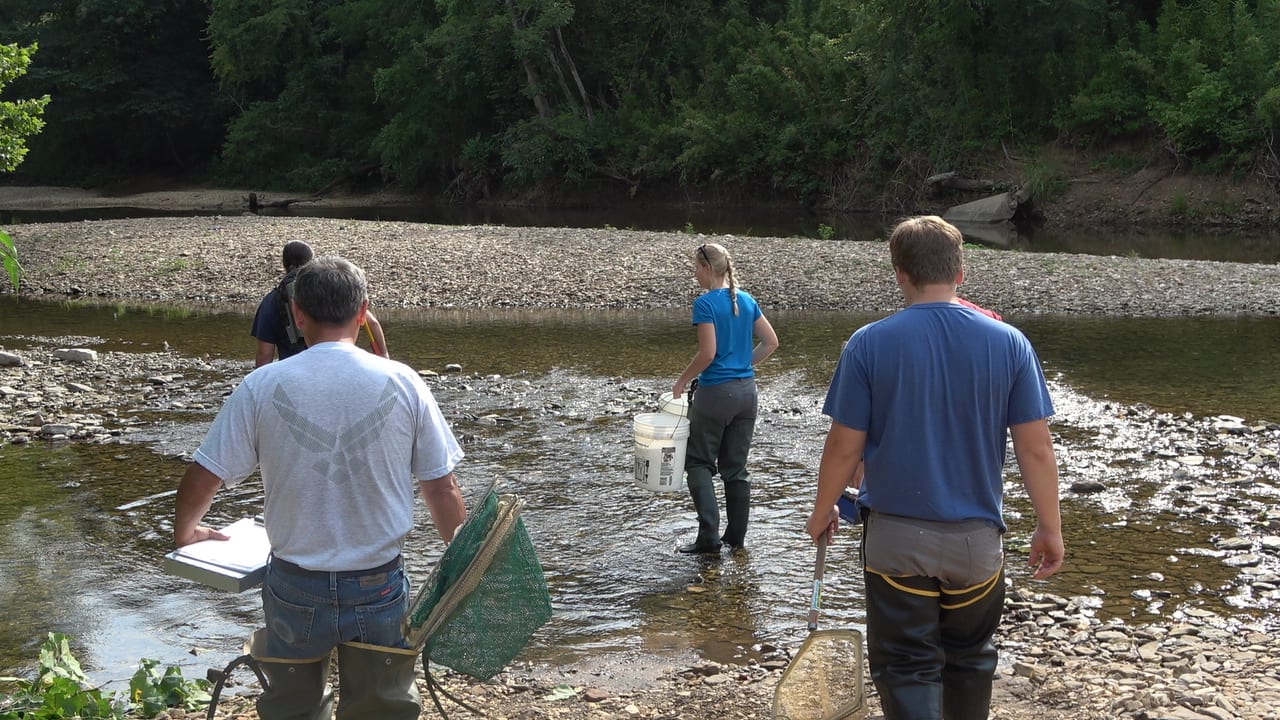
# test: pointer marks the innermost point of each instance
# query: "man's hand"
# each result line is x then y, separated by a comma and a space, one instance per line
820, 523
1047, 552
200, 532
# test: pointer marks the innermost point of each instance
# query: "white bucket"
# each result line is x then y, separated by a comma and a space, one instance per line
671, 406
660, 444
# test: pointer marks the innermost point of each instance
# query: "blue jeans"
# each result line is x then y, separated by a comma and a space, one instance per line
308, 613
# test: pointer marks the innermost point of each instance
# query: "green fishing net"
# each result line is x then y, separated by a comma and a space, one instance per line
485, 597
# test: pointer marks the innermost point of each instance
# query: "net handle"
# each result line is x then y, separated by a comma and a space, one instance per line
819, 569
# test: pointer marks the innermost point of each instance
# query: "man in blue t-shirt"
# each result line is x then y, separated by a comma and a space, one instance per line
925, 397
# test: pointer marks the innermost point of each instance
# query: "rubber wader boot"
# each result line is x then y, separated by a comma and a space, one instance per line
703, 492
296, 689
903, 651
377, 683
971, 655
737, 509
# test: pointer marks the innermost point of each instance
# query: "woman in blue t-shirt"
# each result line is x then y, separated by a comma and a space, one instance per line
722, 413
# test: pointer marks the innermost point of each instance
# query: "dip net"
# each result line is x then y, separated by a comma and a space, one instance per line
486, 596
824, 679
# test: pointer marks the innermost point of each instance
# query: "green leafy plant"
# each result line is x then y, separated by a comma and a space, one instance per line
825, 231
19, 119
62, 690
9, 256
155, 690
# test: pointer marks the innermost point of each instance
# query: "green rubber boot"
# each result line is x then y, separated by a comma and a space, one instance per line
296, 689
377, 683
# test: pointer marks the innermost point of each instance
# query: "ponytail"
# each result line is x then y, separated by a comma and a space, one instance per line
733, 284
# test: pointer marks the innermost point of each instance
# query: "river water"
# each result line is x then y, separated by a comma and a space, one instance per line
544, 404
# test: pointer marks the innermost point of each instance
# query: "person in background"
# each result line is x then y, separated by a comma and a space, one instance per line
974, 306
925, 398
722, 413
272, 326
339, 435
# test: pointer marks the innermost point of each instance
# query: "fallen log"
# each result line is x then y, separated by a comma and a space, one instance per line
255, 204
951, 181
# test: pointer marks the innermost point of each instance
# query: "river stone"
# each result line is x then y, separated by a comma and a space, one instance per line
55, 429
1235, 543
76, 355
8, 359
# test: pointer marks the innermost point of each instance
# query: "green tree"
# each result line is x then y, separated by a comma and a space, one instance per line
301, 72
19, 120
134, 95
955, 76
1202, 77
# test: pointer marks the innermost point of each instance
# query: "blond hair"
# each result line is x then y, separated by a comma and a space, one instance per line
716, 257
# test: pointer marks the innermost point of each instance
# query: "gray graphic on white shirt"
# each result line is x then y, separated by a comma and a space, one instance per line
341, 454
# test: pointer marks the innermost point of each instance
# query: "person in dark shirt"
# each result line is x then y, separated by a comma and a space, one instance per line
271, 324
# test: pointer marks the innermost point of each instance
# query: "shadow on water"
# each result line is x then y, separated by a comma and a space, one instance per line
545, 403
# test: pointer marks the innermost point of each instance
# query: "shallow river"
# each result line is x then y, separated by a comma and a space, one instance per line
545, 403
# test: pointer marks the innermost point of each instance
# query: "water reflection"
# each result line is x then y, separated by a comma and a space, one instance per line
545, 403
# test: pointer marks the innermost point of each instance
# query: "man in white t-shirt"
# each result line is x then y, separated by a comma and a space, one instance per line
344, 439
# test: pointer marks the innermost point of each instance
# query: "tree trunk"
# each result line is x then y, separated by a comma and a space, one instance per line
530, 72
573, 69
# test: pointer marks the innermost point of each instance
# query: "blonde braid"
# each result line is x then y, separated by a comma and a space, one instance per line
733, 283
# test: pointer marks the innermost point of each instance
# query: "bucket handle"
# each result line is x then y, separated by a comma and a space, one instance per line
688, 405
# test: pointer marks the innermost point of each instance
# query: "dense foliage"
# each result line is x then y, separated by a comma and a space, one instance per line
819, 100
130, 83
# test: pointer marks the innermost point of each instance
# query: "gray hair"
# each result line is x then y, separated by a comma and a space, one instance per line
330, 290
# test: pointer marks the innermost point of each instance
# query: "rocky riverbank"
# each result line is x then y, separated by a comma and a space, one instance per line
1061, 661
212, 259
